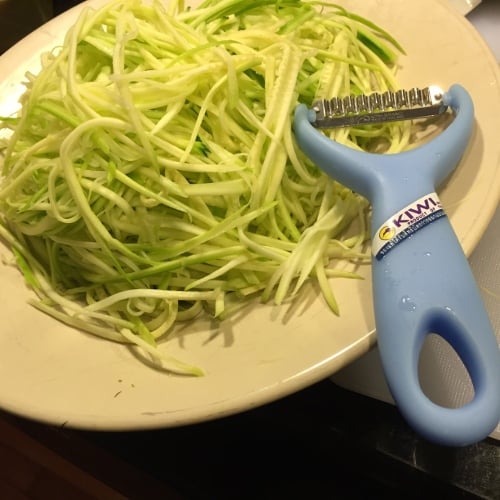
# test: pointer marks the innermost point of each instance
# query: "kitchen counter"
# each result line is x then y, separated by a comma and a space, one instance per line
324, 441
321, 441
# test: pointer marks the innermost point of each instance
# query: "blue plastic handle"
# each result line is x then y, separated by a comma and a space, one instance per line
422, 282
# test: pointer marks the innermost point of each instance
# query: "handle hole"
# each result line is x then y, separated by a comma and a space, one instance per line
442, 375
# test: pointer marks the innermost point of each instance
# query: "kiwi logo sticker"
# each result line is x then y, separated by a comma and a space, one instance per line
406, 222
386, 233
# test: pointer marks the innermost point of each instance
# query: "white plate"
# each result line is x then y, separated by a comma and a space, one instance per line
54, 374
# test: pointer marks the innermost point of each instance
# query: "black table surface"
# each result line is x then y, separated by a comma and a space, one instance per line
323, 441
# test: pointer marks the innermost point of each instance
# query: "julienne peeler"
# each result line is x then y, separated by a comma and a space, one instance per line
422, 282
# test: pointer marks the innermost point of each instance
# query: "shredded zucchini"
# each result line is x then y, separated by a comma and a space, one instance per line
151, 173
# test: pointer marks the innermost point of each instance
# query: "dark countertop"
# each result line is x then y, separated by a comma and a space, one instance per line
324, 441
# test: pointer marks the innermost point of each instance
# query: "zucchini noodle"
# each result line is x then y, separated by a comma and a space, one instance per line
151, 173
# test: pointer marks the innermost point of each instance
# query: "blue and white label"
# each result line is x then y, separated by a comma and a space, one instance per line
406, 222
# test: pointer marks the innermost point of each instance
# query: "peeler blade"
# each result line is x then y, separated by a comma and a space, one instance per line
389, 106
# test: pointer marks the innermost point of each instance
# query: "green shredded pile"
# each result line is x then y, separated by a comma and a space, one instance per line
152, 174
